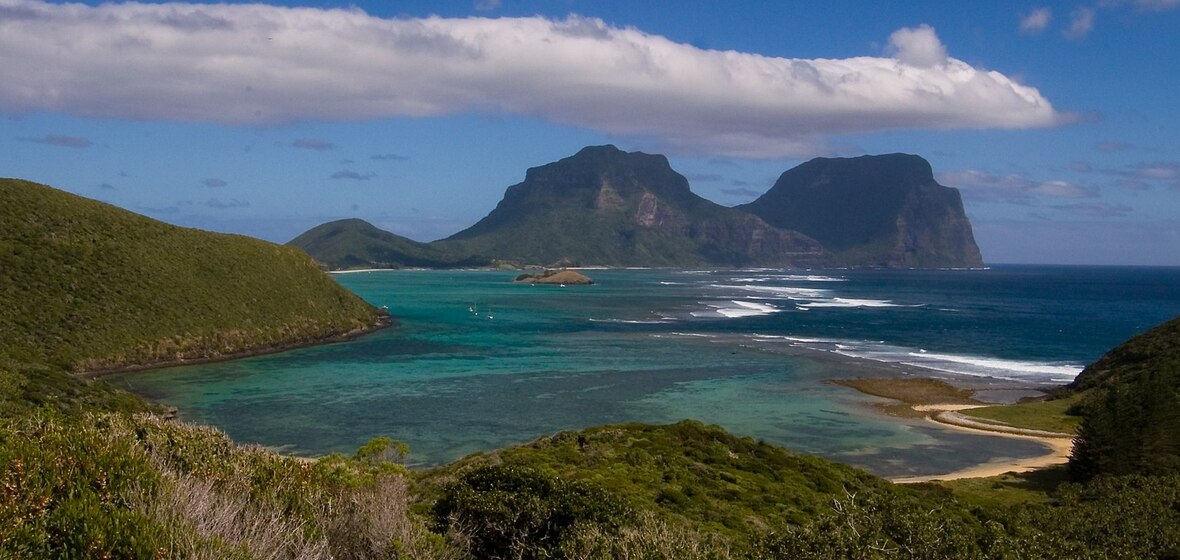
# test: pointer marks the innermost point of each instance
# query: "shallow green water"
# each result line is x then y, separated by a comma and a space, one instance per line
476, 362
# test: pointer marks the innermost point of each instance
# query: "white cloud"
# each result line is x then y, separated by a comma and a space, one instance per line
261, 64
1036, 21
918, 47
1081, 22
1158, 171
1011, 187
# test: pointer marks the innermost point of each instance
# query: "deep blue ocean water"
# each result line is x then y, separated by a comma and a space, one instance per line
476, 362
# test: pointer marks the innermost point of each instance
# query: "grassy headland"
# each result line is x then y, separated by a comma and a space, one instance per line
89, 287
1054, 415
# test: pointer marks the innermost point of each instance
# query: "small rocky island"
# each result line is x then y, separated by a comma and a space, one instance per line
549, 276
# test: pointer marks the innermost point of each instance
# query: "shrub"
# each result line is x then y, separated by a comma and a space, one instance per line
522, 513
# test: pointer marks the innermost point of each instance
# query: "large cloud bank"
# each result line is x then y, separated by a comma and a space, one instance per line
261, 64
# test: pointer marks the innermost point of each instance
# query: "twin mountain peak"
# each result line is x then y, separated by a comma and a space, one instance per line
606, 207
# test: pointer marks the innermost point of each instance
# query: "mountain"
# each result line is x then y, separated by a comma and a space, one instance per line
604, 206
884, 210
90, 287
354, 243
1131, 412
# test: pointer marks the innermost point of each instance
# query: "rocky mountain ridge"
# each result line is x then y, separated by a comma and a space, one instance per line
606, 207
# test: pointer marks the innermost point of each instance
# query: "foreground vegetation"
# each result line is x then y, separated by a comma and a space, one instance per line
116, 485
1131, 414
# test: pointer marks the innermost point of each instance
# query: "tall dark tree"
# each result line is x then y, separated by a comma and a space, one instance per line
1131, 420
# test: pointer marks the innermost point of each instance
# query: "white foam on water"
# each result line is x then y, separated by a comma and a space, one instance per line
686, 334
791, 338
789, 292
851, 302
810, 278
630, 321
747, 309
960, 364
985, 364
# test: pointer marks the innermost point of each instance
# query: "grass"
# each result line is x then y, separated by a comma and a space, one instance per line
1049, 416
91, 287
354, 243
1011, 489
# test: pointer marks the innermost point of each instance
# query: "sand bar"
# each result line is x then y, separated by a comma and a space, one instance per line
946, 416
1059, 447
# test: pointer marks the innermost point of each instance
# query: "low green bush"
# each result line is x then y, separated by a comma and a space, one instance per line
523, 513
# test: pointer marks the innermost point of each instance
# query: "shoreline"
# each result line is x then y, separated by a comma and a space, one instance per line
383, 322
864, 368
911, 398
1059, 447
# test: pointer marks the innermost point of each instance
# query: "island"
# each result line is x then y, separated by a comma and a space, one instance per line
554, 277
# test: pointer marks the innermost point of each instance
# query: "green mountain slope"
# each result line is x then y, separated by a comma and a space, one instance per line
604, 206
1131, 412
690, 473
88, 287
884, 210
354, 243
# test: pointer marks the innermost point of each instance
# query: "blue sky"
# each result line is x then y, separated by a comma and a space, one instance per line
1057, 120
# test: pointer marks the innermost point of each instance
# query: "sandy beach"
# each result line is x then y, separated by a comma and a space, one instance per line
939, 402
946, 416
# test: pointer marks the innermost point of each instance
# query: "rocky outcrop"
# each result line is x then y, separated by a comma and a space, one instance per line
555, 277
604, 206
882, 210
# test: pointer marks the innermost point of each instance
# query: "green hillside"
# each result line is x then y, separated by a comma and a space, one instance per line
354, 243
687, 474
90, 287
1131, 408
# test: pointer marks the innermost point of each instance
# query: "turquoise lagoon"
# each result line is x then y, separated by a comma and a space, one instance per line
476, 362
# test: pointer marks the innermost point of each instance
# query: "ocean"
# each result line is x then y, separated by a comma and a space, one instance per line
476, 362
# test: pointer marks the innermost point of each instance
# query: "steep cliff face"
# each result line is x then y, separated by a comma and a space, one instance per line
882, 210
604, 206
